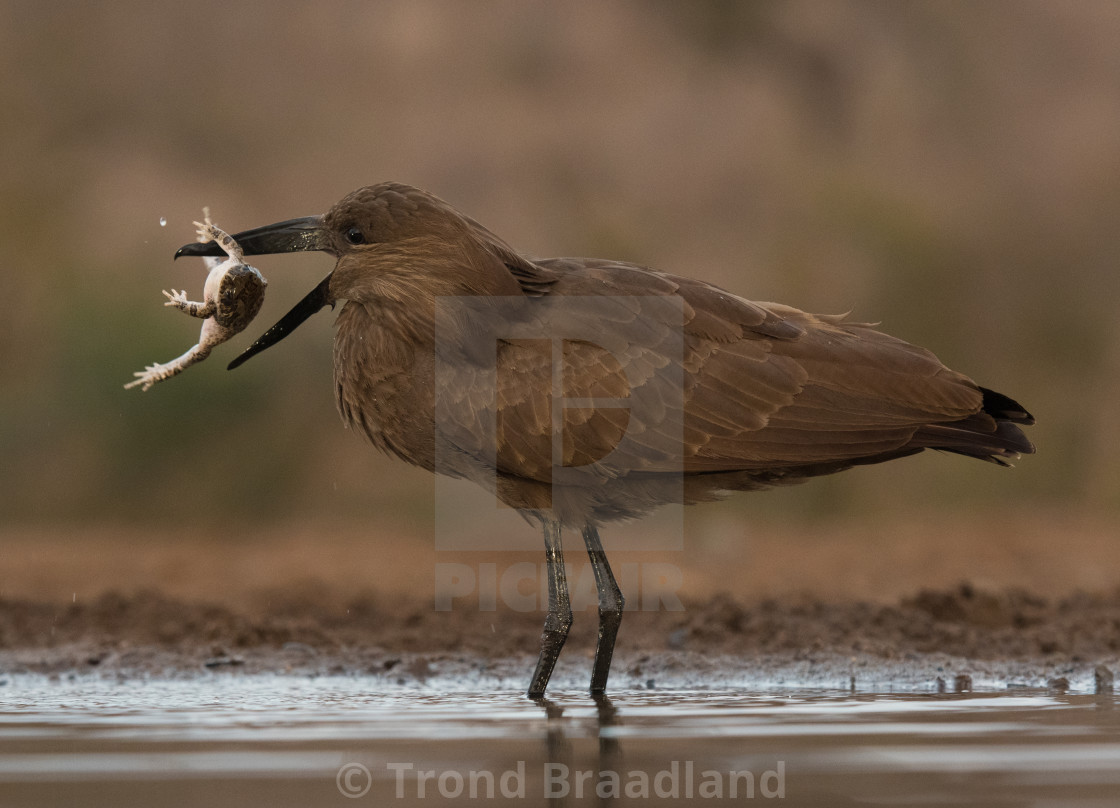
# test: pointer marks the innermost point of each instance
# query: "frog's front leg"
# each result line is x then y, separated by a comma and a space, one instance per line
191, 307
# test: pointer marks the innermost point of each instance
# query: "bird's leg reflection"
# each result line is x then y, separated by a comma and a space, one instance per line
557, 743
558, 749
610, 754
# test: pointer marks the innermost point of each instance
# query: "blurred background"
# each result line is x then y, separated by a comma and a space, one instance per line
949, 169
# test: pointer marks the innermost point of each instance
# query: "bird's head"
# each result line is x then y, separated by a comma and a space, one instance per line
391, 240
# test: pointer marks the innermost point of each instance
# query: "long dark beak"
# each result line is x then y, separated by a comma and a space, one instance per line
294, 235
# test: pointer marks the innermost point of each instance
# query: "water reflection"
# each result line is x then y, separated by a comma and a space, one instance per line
292, 737
558, 755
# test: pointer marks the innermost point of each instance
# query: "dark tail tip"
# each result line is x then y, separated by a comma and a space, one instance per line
1003, 408
993, 434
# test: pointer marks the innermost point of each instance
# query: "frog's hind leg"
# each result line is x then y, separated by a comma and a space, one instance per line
210, 261
207, 231
158, 372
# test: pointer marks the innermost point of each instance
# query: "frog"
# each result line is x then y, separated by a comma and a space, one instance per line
232, 297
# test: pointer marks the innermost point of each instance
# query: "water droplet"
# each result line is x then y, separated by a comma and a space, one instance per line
162, 221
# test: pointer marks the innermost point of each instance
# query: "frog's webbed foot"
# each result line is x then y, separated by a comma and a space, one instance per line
158, 372
207, 231
193, 308
151, 374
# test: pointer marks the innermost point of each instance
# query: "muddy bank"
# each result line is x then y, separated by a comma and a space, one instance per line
994, 636
872, 599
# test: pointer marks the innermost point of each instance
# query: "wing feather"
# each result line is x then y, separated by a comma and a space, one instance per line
712, 383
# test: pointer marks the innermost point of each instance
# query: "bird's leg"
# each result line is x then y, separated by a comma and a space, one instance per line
611, 604
559, 619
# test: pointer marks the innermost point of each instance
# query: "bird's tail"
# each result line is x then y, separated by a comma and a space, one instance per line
992, 434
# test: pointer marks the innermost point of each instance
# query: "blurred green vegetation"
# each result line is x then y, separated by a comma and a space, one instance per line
951, 169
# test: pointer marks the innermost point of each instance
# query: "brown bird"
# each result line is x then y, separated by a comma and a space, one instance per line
582, 391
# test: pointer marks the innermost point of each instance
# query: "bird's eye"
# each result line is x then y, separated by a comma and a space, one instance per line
354, 235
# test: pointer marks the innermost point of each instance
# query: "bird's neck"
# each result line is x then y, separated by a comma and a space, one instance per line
400, 285
382, 380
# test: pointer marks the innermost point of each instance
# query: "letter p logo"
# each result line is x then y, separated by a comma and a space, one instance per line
560, 405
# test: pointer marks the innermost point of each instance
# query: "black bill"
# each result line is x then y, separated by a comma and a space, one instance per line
294, 235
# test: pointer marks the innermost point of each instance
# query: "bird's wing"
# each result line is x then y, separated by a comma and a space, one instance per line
859, 393
628, 370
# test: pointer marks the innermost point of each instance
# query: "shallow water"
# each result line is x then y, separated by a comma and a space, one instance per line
270, 740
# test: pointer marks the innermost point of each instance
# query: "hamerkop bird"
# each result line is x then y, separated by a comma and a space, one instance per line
581, 391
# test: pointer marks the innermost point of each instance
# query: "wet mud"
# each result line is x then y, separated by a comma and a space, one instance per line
996, 600
952, 640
